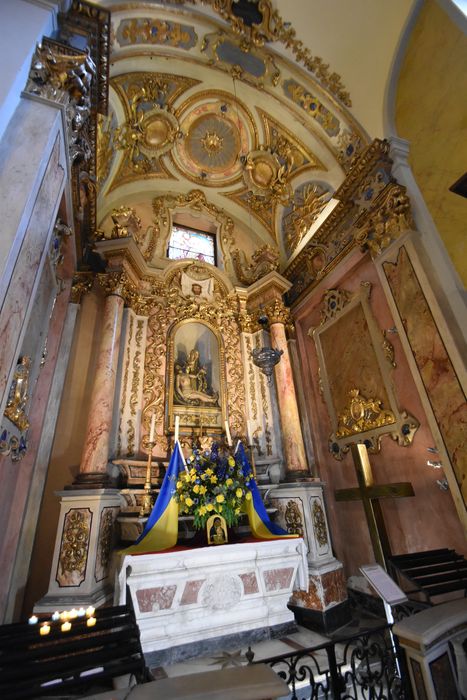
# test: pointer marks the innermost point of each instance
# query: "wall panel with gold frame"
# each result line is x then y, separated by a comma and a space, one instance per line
355, 361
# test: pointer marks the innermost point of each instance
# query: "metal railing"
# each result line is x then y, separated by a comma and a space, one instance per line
361, 667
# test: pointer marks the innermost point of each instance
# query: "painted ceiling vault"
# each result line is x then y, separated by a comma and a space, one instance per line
222, 119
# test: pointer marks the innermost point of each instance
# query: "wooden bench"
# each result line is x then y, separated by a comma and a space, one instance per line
32, 665
433, 573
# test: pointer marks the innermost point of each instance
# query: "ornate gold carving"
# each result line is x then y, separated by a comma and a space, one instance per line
213, 143
155, 31
18, 395
126, 223
361, 415
262, 208
105, 543
75, 542
130, 437
293, 519
104, 150
388, 350
82, 284
265, 175
319, 524
306, 207
251, 379
273, 28
236, 60
332, 304
263, 261
392, 218
125, 381
117, 283
312, 106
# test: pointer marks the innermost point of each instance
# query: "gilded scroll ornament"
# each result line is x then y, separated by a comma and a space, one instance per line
251, 380
145, 30
105, 543
240, 59
392, 218
105, 150
319, 524
126, 223
333, 302
388, 350
266, 176
18, 396
268, 26
293, 519
74, 546
263, 261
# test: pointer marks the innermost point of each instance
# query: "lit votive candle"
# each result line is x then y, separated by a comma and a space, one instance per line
33, 620
56, 616
81, 612
44, 629
72, 614
66, 627
90, 611
91, 621
64, 616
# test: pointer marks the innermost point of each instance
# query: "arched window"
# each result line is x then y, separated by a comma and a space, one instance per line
190, 243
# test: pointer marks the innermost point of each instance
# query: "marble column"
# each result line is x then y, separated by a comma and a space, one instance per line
93, 468
292, 438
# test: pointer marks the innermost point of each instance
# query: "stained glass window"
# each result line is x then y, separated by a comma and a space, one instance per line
189, 243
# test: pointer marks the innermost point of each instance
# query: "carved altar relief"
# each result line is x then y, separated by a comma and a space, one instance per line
356, 382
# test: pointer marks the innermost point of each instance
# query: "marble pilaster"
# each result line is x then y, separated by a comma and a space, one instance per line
93, 468
292, 439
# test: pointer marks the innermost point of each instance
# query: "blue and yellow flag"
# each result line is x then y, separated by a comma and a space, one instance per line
161, 531
261, 525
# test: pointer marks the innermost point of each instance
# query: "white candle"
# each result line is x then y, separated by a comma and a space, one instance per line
153, 427
45, 629
66, 627
91, 621
81, 612
227, 434
56, 616
33, 620
90, 611
177, 428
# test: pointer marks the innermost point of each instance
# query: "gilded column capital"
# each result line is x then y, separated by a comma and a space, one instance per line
277, 312
81, 285
118, 283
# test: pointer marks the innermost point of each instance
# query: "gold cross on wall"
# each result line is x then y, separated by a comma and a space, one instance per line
368, 492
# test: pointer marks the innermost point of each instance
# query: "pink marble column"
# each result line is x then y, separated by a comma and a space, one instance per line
292, 439
93, 468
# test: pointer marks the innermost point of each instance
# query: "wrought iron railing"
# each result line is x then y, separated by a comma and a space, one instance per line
361, 667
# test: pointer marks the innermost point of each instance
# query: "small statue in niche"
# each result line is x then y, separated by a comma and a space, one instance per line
191, 383
18, 394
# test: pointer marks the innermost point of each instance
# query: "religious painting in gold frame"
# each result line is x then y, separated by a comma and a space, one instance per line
216, 530
355, 362
196, 378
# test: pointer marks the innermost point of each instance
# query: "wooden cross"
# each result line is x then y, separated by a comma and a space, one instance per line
369, 493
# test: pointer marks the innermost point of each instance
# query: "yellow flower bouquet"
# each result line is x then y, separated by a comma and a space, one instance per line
212, 484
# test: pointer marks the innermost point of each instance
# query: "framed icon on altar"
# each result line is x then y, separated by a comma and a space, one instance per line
216, 530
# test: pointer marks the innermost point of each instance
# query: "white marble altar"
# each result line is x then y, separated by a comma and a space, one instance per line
185, 596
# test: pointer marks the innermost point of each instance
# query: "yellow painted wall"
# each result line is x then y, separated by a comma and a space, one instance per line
431, 113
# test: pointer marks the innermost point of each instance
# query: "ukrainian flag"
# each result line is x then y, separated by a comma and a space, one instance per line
161, 531
261, 525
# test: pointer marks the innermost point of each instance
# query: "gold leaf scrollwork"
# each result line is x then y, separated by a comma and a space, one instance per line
392, 218
75, 542
263, 261
105, 542
362, 415
319, 524
81, 285
251, 380
293, 519
18, 396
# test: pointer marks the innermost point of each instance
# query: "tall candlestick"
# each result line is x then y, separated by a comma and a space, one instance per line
177, 428
227, 434
153, 427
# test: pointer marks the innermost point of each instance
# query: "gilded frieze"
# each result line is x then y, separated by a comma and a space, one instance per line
145, 30
355, 376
